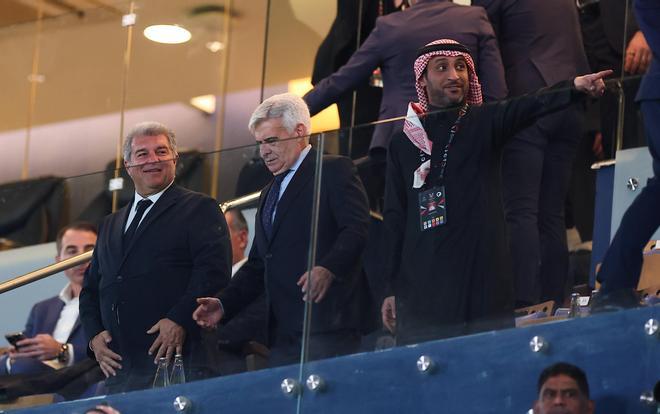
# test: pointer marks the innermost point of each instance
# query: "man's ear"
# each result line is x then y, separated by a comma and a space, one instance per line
300, 130
422, 79
536, 409
243, 239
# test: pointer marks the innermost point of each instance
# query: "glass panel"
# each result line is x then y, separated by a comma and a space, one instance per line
466, 278
78, 91
18, 43
55, 86
482, 295
620, 46
240, 343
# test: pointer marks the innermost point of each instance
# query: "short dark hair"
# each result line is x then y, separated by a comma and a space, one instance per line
78, 225
239, 223
570, 370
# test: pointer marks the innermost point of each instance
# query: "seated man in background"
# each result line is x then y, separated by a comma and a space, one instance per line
225, 345
563, 388
239, 237
54, 337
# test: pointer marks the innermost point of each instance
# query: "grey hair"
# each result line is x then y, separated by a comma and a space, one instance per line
238, 223
286, 106
148, 129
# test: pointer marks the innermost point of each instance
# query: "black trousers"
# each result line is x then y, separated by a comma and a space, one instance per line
602, 56
536, 170
623, 261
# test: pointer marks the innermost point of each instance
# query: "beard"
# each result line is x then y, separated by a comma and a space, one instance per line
443, 98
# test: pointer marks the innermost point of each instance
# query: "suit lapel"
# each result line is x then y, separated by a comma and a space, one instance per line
51, 318
301, 177
260, 233
118, 230
73, 330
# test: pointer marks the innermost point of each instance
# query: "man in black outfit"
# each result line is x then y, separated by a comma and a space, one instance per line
277, 263
541, 45
443, 204
153, 258
612, 40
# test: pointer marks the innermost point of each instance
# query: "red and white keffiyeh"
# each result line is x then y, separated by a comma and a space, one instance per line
412, 126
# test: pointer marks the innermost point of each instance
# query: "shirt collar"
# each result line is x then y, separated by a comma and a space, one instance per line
153, 197
65, 294
237, 265
300, 159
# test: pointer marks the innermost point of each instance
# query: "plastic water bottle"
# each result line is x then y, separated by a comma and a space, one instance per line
178, 373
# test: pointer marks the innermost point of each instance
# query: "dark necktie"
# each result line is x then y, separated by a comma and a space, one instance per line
271, 203
142, 206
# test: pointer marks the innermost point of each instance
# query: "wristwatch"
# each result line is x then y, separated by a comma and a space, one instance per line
63, 355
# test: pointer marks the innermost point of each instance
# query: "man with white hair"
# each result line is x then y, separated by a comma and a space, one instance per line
277, 263
449, 267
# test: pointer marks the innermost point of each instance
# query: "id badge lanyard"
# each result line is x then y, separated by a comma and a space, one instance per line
433, 201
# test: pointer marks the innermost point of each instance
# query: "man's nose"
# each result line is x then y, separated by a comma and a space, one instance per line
152, 157
452, 73
558, 400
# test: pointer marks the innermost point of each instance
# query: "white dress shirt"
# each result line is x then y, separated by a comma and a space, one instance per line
138, 197
237, 265
67, 319
289, 176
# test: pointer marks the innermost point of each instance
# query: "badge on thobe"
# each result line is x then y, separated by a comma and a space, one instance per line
432, 208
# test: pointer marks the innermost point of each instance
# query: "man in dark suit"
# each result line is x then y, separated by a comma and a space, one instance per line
623, 262
392, 46
612, 40
153, 258
541, 45
54, 337
277, 263
352, 25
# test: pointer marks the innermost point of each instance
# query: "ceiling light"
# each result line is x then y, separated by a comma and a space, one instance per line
215, 46
205, 103
167, 33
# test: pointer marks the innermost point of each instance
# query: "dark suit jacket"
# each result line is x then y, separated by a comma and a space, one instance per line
392, 46
648, 14
613, 18
180, 252
540, 41
341, 41
275, 266
43, 318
